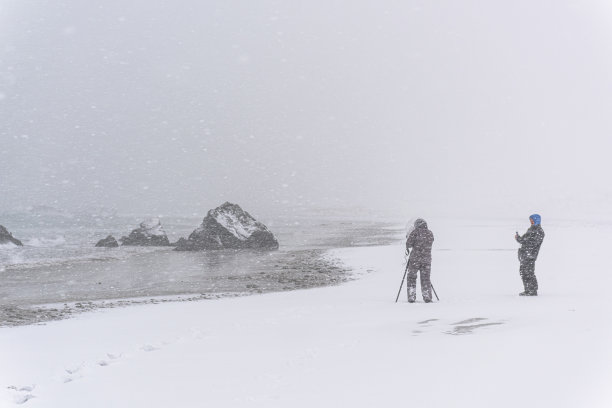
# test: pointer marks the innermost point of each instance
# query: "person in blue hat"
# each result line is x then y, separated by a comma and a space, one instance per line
528, 253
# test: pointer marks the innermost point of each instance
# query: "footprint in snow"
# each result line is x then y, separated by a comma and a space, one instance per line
468, 326
423, 324
71, 374
428, 321
149, 347
472, 320
110, 359
23, 394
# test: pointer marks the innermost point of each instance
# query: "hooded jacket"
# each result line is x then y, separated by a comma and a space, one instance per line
420, 240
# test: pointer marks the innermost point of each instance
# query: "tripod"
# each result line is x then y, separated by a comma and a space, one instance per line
402, 284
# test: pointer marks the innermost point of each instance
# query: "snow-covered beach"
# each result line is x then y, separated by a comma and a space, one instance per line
203, 203
349, 345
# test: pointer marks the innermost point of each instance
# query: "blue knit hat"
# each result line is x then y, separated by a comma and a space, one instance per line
536, 219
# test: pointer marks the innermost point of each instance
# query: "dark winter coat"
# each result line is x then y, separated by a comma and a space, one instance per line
530, 243
421, 241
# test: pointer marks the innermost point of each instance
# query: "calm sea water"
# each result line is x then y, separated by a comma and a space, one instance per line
59, 264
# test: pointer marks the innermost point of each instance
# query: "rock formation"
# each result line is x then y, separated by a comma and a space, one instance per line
108, 242
6, 237
150, 233
229, 227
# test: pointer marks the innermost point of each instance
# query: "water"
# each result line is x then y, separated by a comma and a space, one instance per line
59, 264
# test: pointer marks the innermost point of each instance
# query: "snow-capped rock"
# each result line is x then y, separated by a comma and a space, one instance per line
7, 238
150, 233
228, 226
108, 242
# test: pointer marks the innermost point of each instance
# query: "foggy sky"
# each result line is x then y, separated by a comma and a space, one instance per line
442, 107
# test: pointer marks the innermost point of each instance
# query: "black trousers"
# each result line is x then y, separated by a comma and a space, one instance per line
425, 269
527, 271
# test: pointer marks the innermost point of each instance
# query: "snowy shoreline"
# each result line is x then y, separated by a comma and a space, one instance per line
343, 345
74, 271
296, 270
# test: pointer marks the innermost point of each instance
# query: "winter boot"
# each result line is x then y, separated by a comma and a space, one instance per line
411, 294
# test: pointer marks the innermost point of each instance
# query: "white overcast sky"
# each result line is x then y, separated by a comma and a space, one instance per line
428, 107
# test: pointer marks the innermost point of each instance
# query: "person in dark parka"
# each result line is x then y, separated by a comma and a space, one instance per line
528, 253
420, 240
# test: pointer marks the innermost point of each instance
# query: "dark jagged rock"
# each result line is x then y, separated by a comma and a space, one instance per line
229, 227
150, 233
180, 242
6, 237
108, 242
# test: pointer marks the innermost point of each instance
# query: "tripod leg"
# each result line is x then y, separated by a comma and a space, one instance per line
402, 284
434, 291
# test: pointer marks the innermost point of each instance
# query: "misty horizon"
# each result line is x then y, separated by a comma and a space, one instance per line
413, 108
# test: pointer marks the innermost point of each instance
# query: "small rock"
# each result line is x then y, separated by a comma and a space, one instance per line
108, 242
7, 238
150, 233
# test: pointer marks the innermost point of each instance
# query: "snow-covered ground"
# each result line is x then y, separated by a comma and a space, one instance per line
349, 345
